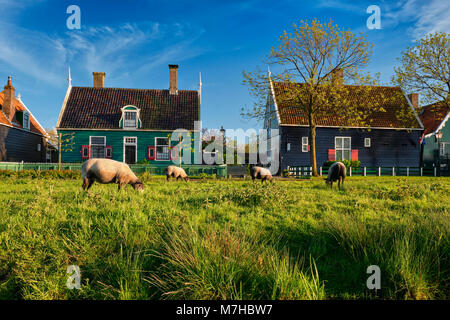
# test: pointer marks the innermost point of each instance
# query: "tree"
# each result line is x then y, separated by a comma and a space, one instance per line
308, 60
425, 68
66, 143
52, 136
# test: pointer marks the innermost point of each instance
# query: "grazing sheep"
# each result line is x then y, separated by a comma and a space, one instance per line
337, 172
109, 171
260, 173
176, 172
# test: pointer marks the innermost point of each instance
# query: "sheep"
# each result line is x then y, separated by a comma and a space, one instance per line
260, 173
336, 172
176, 172
109, 171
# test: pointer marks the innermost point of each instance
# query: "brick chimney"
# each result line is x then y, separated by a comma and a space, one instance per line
8, 103
173, 78
99, 79
414, 99
337, 77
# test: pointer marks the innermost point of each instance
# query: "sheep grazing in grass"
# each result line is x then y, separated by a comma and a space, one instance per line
109, 171
336, 172
260, 173
176, 172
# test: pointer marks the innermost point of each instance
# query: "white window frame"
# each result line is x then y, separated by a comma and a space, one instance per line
125, 143
442, 147
367, 142
288, 146
342, 148
305, 143
137, 112
156, 148
90, 145
26, 124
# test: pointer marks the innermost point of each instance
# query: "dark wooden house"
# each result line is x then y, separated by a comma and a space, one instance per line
391, 139
436, 141
22, 138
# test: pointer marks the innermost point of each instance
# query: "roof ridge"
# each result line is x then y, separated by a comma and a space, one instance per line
347, 85
115, 88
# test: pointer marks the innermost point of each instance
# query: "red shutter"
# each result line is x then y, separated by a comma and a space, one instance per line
110, 152
309, 148
355, 155
85, 152
331, 155
173, 153
151, 153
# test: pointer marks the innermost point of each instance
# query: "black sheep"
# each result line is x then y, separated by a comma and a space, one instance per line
337, 172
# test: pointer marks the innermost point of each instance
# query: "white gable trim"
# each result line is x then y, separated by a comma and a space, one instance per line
31, 115
413, 110
63, 108
440, 126
274, 99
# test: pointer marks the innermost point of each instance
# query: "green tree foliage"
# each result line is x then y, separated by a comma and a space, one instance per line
425, 68
306, 60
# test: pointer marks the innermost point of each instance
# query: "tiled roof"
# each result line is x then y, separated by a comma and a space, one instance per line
398, 113
100, 108
34, 125
432, 116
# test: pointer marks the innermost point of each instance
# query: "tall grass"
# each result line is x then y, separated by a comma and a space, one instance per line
213, 239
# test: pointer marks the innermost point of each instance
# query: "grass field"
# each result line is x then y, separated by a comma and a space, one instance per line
219, 239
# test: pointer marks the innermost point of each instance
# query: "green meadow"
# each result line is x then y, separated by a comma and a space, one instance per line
225, 239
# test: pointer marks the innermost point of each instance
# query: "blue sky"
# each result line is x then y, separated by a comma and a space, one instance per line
134, 41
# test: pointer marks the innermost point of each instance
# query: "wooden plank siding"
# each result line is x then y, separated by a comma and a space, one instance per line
19, 145
115, 140
388, 147
431, 147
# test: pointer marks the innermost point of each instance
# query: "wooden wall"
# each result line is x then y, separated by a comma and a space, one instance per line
388, 147
19, 145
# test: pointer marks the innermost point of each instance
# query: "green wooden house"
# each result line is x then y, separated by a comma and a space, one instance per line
436, 139
127, 125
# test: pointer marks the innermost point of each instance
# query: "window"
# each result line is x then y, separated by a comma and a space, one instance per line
367, 142
130, 119
108, 152
130, 140
162, 148
342, 146
305, 145
444, 148
97, 146
39, 147
85, 152
288, 147
26, 120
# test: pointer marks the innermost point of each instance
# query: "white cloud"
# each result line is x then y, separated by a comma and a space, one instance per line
426, 16
116, 50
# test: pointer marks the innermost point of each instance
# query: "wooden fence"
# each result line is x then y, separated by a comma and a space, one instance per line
191, 170
303, 171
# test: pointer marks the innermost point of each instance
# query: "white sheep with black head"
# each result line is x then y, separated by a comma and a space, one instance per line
109, 171
177, 173
260, 173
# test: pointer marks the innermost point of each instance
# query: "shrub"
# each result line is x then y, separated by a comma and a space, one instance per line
44, 174
347, 163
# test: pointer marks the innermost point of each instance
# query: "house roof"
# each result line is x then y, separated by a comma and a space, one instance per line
100, 108
433, 115
20, 106
398, 112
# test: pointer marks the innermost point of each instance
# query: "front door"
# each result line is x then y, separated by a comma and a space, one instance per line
130, 154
